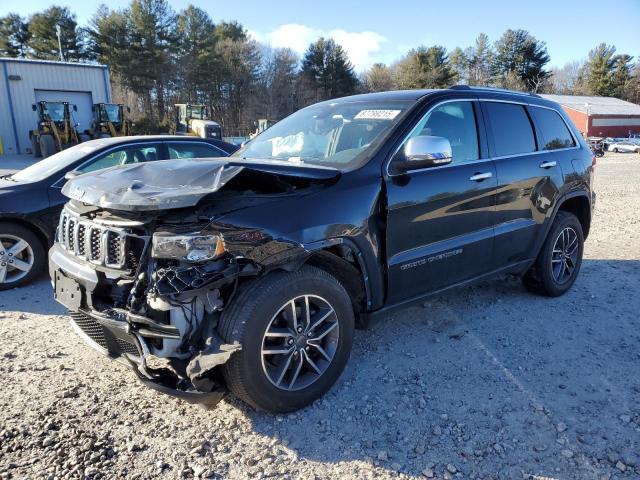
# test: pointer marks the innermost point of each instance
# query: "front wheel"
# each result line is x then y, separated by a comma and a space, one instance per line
22, 256
558, 263
35, 147
296, 330
47, 145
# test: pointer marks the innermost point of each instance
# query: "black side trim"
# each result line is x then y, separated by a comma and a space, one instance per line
366, 319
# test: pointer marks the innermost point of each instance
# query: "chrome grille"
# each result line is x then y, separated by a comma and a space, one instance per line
96, 243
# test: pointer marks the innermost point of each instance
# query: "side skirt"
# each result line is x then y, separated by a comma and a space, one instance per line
366, 319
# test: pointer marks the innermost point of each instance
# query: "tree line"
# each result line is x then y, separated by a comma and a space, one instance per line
158, 57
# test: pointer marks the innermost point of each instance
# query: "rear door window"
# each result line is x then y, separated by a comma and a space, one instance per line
512, 129
194, 150
555, 133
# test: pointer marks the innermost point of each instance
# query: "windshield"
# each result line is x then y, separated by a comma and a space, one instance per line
330, 134
112, 113
53, 111
196, 111
56, 163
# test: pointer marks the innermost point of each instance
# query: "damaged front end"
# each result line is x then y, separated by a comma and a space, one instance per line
158, 316
147, 286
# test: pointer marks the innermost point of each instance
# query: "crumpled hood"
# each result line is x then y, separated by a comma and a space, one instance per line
169, 184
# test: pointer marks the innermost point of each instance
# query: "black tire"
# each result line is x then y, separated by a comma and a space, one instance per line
35, 147
541, 278
615, 150
37, 248
47, 145
247, 319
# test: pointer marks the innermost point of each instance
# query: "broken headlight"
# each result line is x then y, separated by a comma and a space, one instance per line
191, 247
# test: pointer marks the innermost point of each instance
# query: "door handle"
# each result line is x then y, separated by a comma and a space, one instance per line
478, 177
548, 164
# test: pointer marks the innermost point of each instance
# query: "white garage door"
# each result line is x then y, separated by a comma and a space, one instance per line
82, 100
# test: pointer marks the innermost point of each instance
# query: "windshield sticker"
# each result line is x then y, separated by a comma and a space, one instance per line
377, 114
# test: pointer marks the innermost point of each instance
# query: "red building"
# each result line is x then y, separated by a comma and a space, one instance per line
600, 116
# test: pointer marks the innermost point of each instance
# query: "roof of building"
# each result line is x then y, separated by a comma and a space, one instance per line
596, 105
51, 62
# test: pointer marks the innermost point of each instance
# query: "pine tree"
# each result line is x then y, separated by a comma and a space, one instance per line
480, 59
425, 68
460, 64
621, 74
43, 40
14, 36
519, 55
599, 70
328, 71
196, 57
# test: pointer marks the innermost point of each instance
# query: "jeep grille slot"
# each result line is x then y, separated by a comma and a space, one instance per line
96, 243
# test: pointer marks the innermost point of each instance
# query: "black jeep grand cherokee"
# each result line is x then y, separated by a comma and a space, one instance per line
250, 272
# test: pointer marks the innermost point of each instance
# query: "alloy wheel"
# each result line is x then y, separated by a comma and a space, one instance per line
564, 257
16, 258
300, 342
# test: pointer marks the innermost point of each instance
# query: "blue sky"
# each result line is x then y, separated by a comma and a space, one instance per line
377, 30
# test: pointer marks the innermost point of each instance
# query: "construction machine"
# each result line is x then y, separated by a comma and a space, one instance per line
56, 130
109, 120
193, 120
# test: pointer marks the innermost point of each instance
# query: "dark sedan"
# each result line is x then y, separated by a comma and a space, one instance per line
31, 199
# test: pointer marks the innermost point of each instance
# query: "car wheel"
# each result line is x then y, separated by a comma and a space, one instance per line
47, 145
558, 263
22, 256
296, 330
35, 147
615, 150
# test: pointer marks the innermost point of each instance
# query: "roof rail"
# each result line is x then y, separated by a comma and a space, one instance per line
493, 89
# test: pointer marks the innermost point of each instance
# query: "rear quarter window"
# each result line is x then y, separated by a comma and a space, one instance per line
511, 127
554, 131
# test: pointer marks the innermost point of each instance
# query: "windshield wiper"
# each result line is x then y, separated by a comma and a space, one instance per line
8, 177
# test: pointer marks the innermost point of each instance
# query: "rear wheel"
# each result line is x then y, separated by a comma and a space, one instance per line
560, 258
47, 145
296, 330
22, 256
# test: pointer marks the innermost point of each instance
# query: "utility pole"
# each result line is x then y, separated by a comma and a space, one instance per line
588, 106
59, 33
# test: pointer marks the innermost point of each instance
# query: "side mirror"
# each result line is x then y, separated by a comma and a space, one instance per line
71, 174
423, 152
75, 108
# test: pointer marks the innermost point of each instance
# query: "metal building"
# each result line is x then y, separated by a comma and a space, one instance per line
25, 82
600, 116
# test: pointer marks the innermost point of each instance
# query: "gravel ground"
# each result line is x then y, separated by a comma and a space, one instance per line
485, 382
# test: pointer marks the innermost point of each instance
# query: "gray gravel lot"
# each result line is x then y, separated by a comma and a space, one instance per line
485, 382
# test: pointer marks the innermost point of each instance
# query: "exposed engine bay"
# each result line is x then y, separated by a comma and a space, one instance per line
146, 270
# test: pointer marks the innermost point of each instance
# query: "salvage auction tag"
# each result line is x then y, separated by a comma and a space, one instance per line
377, 114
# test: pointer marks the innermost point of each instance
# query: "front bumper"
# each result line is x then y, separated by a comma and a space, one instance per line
110, 334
